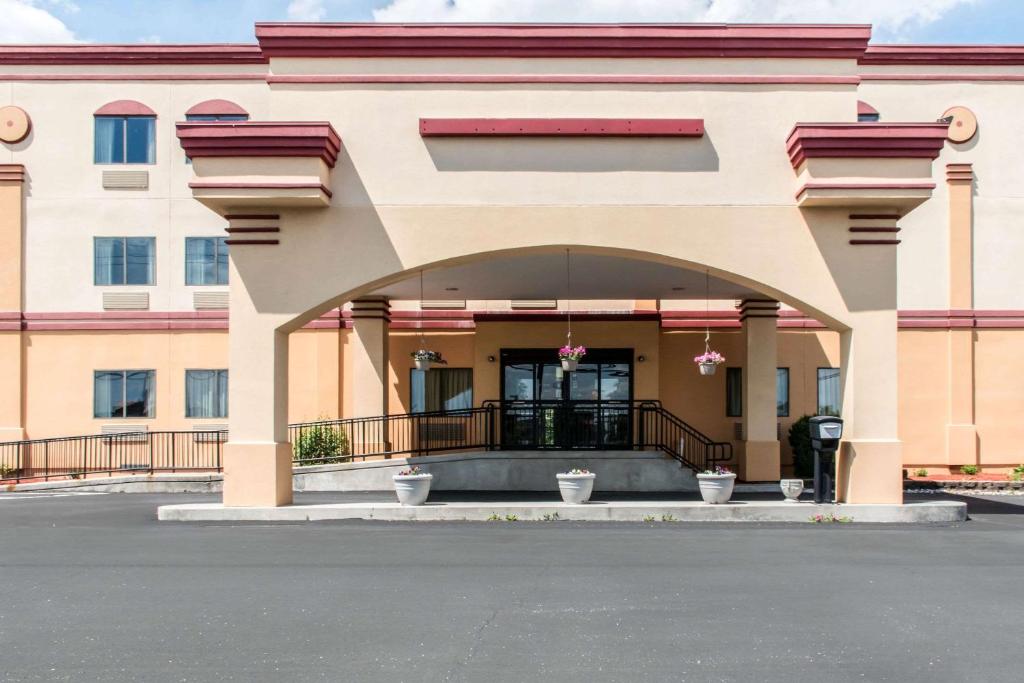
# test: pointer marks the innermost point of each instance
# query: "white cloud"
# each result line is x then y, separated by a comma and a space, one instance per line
890, 17
306, 10
25, 21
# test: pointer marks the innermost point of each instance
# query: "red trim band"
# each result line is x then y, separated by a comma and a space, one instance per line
134, 77
619, 79
211, 185
132, 54
865, 140
260, 139
562, 127
973, 55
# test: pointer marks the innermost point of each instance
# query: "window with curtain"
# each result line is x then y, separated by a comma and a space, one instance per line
124, 393
782, 392
124, 260
441, 389
734, 392
124, 140
206, 393
828, 391
206, 261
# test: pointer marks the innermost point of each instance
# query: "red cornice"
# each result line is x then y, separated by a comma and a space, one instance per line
260, 139
131, 54
12, 172
581, 79
865, 140
562, 127
967, 55
118, 77
834, 41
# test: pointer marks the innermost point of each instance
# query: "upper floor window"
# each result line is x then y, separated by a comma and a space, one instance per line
124, 393
124, 260
206, 261
124, 133
866, 113
216, 110
206, 393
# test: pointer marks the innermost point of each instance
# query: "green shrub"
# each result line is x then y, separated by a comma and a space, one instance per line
320, 444
6, 471
1019, 469
800, 442
921, 472
968, 469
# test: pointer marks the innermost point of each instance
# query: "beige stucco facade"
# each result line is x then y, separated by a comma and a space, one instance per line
898, 267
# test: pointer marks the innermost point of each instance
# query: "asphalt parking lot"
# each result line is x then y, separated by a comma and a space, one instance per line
95, 589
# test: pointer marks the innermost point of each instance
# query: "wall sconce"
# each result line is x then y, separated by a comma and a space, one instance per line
490, 359
641, 358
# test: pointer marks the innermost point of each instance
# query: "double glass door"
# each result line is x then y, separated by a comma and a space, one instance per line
544, 407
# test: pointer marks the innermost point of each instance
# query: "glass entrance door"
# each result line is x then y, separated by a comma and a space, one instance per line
543, 407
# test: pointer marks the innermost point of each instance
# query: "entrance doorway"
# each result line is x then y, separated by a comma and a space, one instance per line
543, 407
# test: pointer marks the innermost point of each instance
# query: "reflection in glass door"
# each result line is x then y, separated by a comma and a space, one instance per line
543, 407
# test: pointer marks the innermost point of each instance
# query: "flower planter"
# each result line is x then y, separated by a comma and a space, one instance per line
423, 365
708, 368
716, 489
576, 488
412, 489
791, 489
569, 365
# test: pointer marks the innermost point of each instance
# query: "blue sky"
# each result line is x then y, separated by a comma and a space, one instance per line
170, 21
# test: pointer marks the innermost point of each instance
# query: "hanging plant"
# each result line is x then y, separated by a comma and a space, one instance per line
570, 356
708, 361
425, 358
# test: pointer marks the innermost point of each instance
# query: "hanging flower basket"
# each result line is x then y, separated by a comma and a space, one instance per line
709, 361
424, 359
570, 356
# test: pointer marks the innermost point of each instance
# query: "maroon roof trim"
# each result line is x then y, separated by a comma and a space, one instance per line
562, 127
131, 54
834, 41
865, 140
967, 55
260, 139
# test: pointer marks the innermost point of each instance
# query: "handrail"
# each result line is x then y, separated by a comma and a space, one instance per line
574, 424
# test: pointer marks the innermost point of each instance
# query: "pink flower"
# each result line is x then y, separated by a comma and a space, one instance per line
710, 357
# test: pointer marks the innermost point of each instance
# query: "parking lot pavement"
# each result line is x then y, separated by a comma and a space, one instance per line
95, 589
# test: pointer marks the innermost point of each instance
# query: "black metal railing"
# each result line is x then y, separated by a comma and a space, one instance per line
507, 425
123, 453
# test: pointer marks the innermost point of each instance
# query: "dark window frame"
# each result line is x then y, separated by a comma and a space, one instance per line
124, 394
817, 390
222, 376
779, 413
124, 140
124, 250
219, 243
729, 403
412, 371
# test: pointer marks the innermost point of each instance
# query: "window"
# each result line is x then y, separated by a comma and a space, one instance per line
206, 261
124, 393
828, 391
733, 392
782, 392
206, 393
125, 140
124, 260
441, 389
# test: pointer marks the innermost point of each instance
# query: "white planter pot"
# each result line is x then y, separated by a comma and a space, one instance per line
422, 364
576, 488
708, 368
569, 365
412, 489
791, 489
716, 489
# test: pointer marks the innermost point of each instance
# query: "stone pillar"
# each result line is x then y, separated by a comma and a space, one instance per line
961, 431
12, 203
370, 363
759, 456
257, 457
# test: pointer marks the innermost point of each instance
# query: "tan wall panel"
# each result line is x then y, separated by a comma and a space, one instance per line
1000, 400
314, 375
924, 395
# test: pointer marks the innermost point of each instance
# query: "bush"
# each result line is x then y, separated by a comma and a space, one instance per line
320, 444
800, 442
969, 469
922, 472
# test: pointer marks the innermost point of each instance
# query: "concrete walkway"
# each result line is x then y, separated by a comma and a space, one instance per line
603, 511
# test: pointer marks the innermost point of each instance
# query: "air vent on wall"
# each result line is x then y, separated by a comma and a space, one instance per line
125, 433
737, 431
209, 301
210, 433
442, 304
126, 180
534, 304
125, 301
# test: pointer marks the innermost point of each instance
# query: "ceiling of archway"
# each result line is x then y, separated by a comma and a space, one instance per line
542, 276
